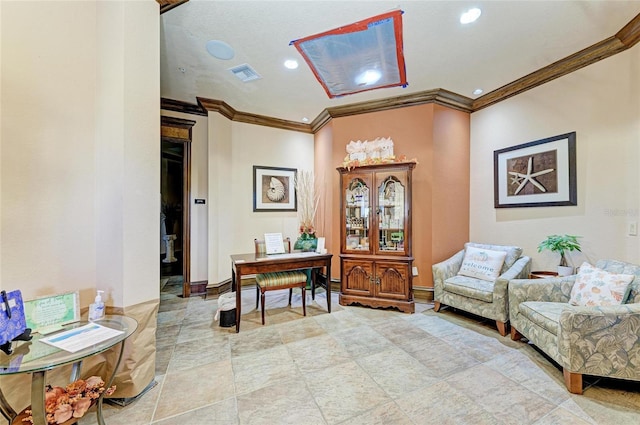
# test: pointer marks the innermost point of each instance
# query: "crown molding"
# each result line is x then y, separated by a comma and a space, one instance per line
219, 106
437, 96
225, 110
181, 106
167, 5
320, 121
629, 35
204, 106
624, 39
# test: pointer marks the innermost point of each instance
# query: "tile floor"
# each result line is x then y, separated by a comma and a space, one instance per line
354, 366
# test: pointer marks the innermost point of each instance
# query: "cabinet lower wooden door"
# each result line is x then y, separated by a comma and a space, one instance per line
358, 278
392, 280
376, 283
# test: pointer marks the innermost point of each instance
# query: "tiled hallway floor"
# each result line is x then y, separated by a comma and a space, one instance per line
354, 366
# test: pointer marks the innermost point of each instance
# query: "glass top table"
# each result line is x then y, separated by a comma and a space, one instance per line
37, 357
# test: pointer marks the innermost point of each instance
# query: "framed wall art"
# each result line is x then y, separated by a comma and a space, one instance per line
536, 174
274, 189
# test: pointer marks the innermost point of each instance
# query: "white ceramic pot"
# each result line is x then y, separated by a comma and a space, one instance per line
565, 270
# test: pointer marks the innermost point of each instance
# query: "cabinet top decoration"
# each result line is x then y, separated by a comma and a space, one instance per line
374, 152
401, 159
381, 147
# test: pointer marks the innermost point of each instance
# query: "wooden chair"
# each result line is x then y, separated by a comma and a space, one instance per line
279, 280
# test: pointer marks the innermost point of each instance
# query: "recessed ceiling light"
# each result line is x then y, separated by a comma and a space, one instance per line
291, 64
478, 91
220, 49
305, 119
370, 76
470, 15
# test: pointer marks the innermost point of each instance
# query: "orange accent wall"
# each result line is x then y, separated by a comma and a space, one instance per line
325, 180
438, 137
451, 174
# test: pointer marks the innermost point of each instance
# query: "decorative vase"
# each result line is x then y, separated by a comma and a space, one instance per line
306, 242
565, 270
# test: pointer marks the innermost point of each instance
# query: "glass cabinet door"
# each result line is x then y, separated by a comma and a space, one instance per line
357, 215
391, 215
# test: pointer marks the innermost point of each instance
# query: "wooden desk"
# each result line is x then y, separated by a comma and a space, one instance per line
244, 264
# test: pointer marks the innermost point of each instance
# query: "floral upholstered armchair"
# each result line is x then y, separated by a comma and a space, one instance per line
600, 336
476, 278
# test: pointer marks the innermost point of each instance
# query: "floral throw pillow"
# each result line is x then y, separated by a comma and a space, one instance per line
597, 287
482, 263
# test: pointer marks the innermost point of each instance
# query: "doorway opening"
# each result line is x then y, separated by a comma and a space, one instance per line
175, 211
172, 208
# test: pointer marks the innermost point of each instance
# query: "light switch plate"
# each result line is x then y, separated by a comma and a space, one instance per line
633, 228
415, 271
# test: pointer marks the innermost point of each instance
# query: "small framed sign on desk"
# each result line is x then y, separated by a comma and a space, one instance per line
273, 243
47, 314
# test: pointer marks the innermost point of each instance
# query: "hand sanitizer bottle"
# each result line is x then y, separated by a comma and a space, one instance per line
96, 310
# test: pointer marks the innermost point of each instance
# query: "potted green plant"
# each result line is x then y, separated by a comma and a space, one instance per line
561, 244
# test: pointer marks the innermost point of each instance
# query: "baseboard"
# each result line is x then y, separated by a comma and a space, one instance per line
215, 289
335, 286
423, 293
198, 288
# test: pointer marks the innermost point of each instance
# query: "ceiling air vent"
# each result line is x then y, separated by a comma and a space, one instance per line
245, 73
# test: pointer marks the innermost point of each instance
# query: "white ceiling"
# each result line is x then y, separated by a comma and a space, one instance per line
510, 40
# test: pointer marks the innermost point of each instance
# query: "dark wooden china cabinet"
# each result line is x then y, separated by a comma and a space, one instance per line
375, 231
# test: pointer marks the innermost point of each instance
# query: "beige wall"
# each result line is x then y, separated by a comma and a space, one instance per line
80, 160
127, 104
48, 169
234, 148
450, 171
602, 104
77, 118
220, 215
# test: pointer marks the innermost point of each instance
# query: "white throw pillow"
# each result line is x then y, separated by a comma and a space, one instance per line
482, 263
597, 287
